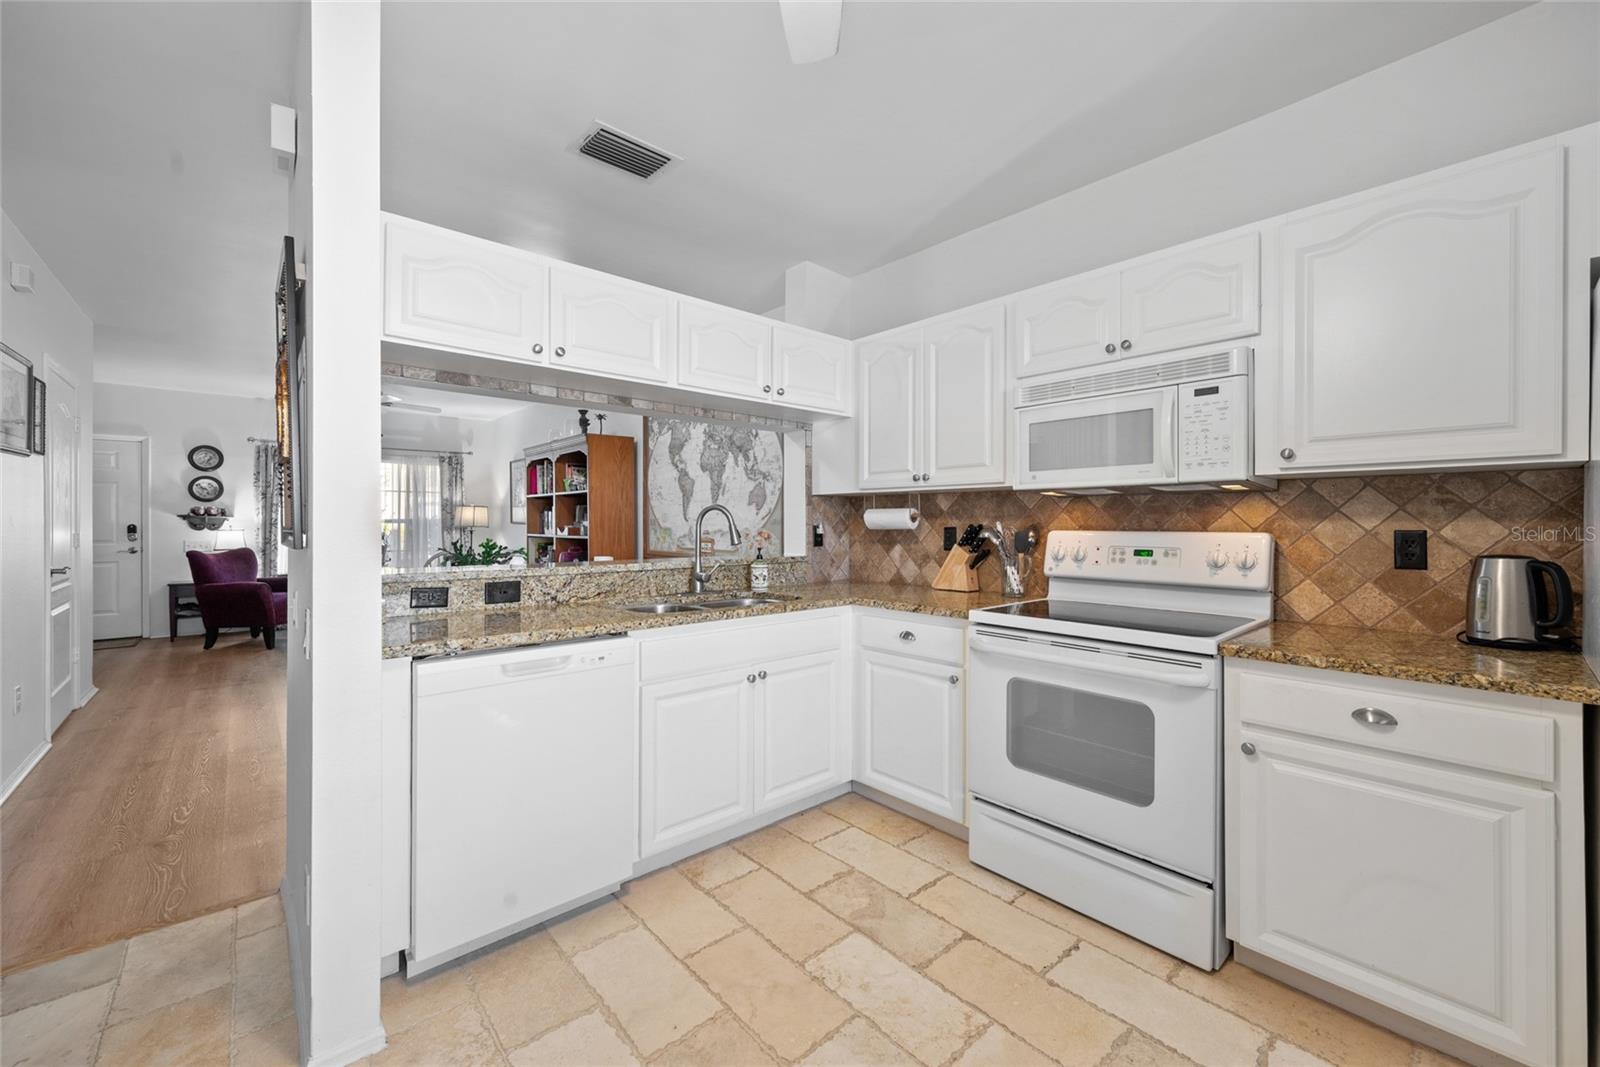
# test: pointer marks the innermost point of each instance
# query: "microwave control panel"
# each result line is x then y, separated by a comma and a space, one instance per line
1213, 430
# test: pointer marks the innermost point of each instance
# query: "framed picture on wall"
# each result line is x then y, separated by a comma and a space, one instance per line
38, 410
518, 492
16, 402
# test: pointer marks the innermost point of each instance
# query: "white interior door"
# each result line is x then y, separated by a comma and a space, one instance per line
61, 452
118, 531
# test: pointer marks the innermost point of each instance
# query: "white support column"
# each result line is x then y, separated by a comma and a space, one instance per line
817, 298
331, 887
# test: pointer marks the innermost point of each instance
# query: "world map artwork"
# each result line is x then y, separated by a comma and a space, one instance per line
690, 464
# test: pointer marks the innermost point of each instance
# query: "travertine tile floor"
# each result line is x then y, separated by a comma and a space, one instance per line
848, 934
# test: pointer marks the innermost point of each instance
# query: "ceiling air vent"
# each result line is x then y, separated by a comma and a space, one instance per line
617, 149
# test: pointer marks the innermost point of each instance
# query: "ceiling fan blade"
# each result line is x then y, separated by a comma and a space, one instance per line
397, 404
812, 28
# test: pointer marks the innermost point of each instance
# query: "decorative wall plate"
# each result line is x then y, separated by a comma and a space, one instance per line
206, 487
205, 457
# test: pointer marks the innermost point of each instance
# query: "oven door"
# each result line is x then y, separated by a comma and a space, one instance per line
1110, 742
1124, 439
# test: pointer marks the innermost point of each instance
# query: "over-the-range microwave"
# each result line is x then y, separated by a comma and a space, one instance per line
1158, 422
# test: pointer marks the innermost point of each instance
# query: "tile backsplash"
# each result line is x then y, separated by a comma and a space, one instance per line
1335, 558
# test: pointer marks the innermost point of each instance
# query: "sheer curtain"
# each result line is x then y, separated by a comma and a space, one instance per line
412, 509
268, 503
451, 493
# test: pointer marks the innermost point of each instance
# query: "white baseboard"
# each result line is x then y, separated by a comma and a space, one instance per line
92, 692
349, 1052
22, 772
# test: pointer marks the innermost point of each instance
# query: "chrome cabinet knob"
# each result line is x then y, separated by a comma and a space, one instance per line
1374, 717
560, 351
916, 477
1110, 348
1248, 749
955, 679
1126, 344
766, 388
780, 392
1286, 453
762, 675
750, 678
538, 349
907, 635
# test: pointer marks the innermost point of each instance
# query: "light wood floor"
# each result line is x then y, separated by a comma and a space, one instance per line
160, 800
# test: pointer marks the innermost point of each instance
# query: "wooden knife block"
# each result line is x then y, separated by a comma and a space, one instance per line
955, 576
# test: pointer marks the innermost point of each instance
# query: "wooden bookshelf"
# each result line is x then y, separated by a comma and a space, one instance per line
598, 518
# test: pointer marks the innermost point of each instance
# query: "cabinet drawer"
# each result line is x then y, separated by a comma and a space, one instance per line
914, 635
747, 643
1432, 722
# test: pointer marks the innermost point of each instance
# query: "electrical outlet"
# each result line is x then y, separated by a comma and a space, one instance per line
949, 538
430, 596
1411, 550
509, 592
816, 535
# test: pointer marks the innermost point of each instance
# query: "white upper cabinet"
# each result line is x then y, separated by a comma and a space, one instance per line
447, 290
1199, 294
601, 324
1422, 324
963, 385
888, 413
1066, 324
724, 351
810, 370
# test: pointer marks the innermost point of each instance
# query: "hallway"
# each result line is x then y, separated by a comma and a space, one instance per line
160, 800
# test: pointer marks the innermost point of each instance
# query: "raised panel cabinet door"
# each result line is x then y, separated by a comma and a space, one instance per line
600, 324
1429, 891
964, 398
910, 731
724, 351
1422, 324
1197, 295
1066, 324
811, 370
454, 291
694, 757
800, 734
889, 411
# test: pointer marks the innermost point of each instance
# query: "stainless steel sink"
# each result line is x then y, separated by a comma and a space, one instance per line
661, 608
739, 602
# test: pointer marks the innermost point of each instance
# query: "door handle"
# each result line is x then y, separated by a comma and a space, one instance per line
131, 551
59, 570
1374, 717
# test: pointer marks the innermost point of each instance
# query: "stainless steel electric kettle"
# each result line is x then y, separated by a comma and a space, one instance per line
1510, 604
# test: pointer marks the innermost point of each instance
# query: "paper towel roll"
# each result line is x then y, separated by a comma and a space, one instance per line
892, 518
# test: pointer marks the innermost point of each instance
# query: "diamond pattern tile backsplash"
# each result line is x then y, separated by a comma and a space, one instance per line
1335, 558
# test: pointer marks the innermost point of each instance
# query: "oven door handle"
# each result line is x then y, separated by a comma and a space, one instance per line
1147, 670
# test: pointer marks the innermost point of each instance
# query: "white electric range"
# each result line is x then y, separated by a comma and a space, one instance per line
1094, 724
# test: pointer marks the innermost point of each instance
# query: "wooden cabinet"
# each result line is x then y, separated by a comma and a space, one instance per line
1202, 293
810, 369
601, 324
1422, 324
1400, 841
724, 351
931, 403
802, 728
448, 290
695, 757
910, 729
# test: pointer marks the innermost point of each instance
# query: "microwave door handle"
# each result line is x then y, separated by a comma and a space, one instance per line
1146, 671
1166, 433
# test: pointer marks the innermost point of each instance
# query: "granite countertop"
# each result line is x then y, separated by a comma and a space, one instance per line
535, 624
1421, 658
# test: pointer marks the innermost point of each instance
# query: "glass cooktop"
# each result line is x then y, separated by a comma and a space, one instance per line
1147, 620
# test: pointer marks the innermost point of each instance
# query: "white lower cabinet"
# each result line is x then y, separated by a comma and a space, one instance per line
910, 730
1357, 856
695, 757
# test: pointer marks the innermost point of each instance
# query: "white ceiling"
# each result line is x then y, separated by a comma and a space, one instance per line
136, 159
135, 136
932, 119
453, 404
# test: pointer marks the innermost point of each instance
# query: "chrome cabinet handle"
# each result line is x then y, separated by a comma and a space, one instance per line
538, 349
1286, 453
1247, 748
1126, 344
1374, 717
955, 679
750, 678
1110, 348
907, 635
560, 351
762, 675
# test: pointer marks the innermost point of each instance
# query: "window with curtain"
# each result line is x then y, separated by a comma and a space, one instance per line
412, 509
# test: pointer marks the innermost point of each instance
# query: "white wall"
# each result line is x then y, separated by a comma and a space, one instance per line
1525, 76
46, 323
331, 891
175, 422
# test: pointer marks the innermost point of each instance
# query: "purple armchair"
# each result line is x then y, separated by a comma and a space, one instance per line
230, 594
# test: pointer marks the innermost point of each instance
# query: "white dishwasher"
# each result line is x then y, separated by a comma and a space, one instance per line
522, 790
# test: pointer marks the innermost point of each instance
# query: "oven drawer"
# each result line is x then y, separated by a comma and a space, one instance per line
1434, 722
943, 641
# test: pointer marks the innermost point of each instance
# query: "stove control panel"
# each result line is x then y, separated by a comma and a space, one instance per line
1220, 560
